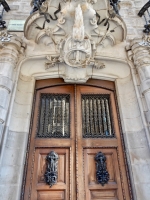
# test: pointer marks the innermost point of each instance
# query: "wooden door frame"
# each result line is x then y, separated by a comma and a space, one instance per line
41, 84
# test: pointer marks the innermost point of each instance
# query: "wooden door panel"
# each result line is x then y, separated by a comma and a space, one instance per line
99, 143
111, 190
39, 185
103, 195
53, 143
51, 195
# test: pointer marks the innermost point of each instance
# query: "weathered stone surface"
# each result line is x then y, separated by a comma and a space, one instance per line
20, 124
141, 173
16, 140
1, 130
137, 139
140, 155
10, 174
143, 191
13, 156
11, 193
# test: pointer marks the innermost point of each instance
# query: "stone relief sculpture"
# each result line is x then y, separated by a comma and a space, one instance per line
75, 31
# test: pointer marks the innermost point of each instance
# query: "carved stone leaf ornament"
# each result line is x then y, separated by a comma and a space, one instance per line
51, 174
102, 174
52, 61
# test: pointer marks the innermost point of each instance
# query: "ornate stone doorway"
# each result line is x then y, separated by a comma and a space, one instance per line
75, 148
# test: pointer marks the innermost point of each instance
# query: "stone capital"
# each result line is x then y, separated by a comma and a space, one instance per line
11, 46
139, 51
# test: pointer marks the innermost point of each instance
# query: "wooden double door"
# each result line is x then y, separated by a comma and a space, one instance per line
78, 124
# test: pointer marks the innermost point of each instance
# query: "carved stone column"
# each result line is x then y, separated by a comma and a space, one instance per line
10, 47
139, 53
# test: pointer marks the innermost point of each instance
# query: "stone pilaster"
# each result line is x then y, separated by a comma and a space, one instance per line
10, 49
139, 53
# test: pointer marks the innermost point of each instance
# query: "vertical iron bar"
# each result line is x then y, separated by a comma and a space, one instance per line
46, 117
95, 116
87, 116
83, 118
99, 117
104, 118
108, 118
56, 117
49, 113
41, 122
52, 115
91, 116
67, 115
61, 102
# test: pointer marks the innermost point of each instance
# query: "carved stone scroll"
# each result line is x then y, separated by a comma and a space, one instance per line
51, 174
102, 174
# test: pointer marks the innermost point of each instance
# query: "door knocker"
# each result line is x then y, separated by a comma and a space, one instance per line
102, 174
51, 174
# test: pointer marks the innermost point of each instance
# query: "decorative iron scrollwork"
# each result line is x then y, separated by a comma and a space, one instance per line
102, 174
51, 174
54, 118
37, 6
114, 4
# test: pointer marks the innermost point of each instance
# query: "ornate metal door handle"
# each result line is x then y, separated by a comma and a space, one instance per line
51, 174
102, 174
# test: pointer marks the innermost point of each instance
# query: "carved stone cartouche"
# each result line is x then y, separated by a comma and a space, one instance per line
75, 35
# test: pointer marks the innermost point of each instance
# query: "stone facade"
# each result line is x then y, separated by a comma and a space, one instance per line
35, 54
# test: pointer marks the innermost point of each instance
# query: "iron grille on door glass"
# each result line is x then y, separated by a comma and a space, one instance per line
54, 118
96, 116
